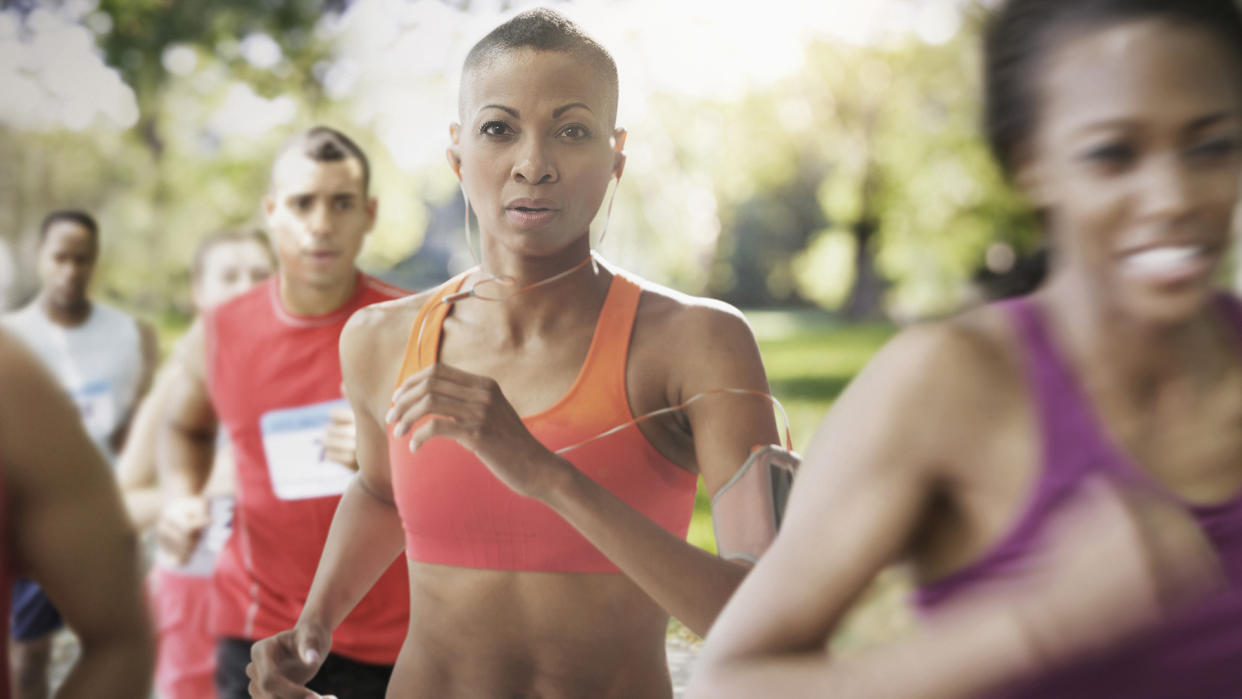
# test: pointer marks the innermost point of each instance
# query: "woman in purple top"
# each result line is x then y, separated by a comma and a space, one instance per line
1106, 406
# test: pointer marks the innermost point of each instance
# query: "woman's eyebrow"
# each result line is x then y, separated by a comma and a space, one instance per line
556, 113
512, 112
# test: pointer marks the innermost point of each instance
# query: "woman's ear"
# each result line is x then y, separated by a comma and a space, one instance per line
618, 147
453, 152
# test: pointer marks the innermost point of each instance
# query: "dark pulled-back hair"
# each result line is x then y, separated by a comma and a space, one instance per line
1021, 34
542, 29
229, 235
77, 216
325, 144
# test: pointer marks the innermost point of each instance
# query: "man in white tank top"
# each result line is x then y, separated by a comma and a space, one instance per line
104, 359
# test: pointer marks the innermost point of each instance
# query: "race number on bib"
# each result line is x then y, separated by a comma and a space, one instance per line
98, 409
293, 444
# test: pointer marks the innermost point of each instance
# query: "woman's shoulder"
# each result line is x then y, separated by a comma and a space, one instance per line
937, 397
374, 339
678, 316
385, 319
974, 350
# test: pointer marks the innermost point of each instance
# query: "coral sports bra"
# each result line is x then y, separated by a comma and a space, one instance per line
456, 512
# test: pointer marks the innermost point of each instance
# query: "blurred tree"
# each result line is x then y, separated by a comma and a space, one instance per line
884, 141
270, 44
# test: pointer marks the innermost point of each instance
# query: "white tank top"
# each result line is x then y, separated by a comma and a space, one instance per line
99, 363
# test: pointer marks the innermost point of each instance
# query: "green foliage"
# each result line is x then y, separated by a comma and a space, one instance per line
142, 29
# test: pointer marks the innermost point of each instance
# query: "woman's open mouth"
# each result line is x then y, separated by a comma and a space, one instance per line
1169, 264
531, 213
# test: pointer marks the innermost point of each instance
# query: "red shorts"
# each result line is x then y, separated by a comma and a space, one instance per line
185, 662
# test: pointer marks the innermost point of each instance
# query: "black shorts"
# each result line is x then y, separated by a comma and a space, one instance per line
340, 676
33, 615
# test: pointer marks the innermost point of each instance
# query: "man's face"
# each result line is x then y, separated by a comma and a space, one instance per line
319, 215
66, 263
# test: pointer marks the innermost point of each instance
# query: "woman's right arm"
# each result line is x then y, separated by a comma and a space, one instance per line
282, 664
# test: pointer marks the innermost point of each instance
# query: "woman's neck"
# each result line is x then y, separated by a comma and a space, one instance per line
536, 294
1109, 345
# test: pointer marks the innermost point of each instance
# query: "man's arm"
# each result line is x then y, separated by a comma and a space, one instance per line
186, 445
69, 531
187, 438
135, 467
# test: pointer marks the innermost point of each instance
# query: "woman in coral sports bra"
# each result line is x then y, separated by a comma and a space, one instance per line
1062, 471
532, 573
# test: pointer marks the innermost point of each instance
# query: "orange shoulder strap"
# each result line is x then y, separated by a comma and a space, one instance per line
424, 342
616, 324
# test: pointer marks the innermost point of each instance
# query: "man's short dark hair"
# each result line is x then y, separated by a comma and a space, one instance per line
542, 29
325, 144
77, 216
230, 235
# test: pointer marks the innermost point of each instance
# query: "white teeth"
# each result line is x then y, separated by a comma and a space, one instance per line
1161, 259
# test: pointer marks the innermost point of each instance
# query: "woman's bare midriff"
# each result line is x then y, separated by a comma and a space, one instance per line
500, 634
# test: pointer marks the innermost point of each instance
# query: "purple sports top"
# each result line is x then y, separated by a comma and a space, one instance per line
1196, 654
1074, 445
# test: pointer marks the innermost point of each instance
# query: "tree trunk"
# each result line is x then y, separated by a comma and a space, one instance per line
866, 298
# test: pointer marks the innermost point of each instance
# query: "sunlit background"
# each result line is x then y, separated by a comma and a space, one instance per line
785, 153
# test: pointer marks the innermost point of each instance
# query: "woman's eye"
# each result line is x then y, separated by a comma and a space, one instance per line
1111, 154
495, 128
1218, 148
575, 132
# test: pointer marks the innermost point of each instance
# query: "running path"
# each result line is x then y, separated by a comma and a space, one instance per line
681, 654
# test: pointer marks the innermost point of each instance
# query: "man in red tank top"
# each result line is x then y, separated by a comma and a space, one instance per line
264, 366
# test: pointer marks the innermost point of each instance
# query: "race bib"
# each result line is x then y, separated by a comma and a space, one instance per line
293, 444
98, 409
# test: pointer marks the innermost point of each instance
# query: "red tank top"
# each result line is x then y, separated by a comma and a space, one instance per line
455, 512
272, 378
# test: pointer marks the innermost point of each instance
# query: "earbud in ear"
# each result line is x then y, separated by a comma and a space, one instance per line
454, 159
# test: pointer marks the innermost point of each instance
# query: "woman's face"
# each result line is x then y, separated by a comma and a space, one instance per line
537, 148
1136, 159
